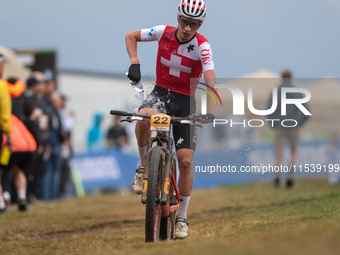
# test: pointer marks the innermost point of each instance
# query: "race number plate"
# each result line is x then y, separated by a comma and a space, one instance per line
160, 122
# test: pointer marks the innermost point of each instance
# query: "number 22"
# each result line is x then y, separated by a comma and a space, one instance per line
164, 122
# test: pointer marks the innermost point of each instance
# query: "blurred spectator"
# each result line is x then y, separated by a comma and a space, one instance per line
37, 122
286, 133
67, 120
5, 105
51, 178
95, 135
5, 125
35, 112
40, 77
16, 88
23, 147
23, 144
116, 136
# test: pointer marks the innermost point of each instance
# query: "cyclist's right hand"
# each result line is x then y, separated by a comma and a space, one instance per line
134, 73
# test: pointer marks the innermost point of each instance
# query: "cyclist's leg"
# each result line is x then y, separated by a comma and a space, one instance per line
142, 129
185, 138
142, 132
185, 184
186, 178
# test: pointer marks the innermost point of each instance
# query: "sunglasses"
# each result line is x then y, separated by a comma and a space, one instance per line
193, 24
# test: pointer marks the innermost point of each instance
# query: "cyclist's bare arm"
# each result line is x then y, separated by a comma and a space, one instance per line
131, 40
210, 79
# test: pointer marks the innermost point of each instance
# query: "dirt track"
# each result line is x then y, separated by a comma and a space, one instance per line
252, 218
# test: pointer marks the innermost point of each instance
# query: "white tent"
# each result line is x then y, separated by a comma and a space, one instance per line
13, 68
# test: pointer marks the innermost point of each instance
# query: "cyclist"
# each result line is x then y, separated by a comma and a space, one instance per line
183, 55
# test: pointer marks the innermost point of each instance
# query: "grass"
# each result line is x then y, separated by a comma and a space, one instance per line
244, 219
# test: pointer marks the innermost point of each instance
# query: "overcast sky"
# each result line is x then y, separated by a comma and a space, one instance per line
245, 35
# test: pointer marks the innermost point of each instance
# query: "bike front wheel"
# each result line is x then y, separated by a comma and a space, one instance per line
153, 204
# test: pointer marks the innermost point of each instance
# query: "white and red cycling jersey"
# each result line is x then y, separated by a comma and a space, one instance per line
178, 63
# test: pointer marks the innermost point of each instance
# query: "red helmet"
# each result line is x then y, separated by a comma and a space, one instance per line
193, 9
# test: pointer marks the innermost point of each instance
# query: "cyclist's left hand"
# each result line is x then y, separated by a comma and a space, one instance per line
206, 118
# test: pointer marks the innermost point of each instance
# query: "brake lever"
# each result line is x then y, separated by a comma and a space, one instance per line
132, 118
194, 118
193, 124
128, 119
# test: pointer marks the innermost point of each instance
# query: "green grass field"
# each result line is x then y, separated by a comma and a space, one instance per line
244, 219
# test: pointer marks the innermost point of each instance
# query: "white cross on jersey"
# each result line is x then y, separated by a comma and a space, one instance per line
175, 65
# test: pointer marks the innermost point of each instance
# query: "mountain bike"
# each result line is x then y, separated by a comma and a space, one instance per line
160, 192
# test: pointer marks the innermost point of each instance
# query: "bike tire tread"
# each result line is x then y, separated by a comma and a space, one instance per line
151, 202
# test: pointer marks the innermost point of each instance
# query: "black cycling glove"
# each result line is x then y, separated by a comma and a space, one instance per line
134, 73
208, 116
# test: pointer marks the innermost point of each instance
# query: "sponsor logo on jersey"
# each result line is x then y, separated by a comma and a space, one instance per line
169, 37
205, 53
152, 33
190, 48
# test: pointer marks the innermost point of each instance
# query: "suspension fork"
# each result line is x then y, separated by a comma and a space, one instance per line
166, 179
161, 139
146, 177
165, 155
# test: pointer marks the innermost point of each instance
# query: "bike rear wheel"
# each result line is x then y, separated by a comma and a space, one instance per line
153, 206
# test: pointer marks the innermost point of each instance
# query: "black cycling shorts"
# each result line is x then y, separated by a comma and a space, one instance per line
176, 105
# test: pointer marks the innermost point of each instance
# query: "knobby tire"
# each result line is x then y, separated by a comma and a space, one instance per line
153, 207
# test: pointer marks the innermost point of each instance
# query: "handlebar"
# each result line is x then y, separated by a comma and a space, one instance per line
191, 119
121, 113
